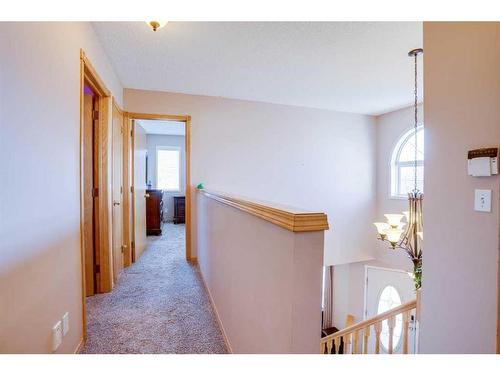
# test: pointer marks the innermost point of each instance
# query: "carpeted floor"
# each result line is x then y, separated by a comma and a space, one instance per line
159, 305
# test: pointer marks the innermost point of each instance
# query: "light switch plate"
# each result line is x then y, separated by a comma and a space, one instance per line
65, 323
482, 200
57, 335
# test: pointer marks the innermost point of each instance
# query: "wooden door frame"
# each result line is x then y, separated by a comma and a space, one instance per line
104, 283
132, 116
498, 284
123, 244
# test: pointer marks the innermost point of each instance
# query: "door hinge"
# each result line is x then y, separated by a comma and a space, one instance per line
131, 133
97, 268
132, 245
95, 192
95, 115
121, 189
132, 189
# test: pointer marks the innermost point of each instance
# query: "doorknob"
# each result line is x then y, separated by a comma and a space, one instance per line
146, 195
115, 203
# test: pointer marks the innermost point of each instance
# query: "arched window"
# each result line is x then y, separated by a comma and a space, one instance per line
402, 164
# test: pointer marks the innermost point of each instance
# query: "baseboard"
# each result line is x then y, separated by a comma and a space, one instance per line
219, 321
79, 347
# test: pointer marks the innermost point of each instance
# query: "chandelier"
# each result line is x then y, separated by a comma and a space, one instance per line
408, 236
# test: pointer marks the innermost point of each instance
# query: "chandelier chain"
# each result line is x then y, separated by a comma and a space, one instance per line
415, 123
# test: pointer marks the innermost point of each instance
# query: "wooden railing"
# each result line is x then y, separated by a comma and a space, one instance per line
347, 339
292, 219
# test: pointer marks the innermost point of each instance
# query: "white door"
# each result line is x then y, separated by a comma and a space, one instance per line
140, 150
385, 289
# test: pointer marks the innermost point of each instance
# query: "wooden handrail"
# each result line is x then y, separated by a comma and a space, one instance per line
369, 322
292, 219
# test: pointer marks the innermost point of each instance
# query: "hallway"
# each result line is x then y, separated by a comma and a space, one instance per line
159, 305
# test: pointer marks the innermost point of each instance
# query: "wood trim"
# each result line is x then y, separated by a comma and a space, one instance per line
105, 281
103, 214
187, 139
132, 116
93, 77
410, 305
214, 308
80, 346
130, 187
82, 217
127, 237
290, 219
150, 116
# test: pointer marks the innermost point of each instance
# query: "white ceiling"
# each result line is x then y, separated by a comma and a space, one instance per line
163, 127
359, 67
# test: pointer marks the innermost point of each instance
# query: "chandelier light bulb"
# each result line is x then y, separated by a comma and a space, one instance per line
381, 228
393, 219
393, 235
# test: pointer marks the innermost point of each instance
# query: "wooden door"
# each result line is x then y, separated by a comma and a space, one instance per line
140, 150
117, 192
88, 188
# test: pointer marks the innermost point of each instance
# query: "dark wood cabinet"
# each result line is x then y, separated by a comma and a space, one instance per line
179, 210
154, 211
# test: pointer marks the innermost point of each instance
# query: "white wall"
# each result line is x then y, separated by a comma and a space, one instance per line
40, 274
349, 279
460, 261
313, 159
265, 281
154, 140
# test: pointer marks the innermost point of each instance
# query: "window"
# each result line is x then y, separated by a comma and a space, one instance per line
403, 167
389, 299
168, 168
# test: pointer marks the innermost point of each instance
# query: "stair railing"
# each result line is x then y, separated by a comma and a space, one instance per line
349, 337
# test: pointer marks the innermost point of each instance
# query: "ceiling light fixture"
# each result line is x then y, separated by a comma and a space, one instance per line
409, 239
155, 25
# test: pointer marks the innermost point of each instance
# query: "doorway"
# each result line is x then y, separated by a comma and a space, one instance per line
160, 179
387, 288
90, 187
97, 218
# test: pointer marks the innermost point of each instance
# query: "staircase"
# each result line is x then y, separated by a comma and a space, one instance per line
354, 339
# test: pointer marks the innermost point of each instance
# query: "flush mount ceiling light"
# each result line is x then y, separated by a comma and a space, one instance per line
155, 25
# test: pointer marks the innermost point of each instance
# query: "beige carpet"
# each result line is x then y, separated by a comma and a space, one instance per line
159, 305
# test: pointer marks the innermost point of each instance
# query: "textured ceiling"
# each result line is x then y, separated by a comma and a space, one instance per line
359, 67
162, 127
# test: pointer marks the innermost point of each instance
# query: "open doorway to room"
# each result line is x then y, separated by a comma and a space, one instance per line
160, 182
90, 182
96, 223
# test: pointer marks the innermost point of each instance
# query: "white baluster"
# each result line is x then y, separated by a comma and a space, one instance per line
406, 326
378, 330
391, 322
366, 335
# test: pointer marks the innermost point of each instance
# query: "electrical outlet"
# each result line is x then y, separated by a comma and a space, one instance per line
57, 335
65, 323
